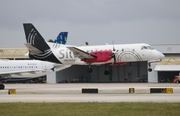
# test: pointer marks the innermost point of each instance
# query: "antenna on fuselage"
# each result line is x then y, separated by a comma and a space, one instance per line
86, 43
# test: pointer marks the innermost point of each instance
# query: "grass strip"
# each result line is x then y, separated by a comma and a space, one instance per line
90, 109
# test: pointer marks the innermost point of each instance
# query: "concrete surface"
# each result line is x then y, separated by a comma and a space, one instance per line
71, 92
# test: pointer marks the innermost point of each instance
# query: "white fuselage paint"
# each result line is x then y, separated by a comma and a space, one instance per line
124, 53
27, 68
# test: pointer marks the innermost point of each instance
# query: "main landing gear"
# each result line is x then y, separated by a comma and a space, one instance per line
2, 86
149, 69
106, 72
89, 70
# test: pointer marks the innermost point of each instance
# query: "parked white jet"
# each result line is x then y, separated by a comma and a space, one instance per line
87, 55
27, 68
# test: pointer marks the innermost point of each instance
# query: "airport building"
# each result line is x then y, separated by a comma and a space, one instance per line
162, 72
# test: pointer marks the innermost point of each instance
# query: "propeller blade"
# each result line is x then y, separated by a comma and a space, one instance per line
113, 54
114, 59
113, 46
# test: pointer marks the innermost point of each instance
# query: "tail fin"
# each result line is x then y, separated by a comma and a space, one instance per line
34, 37
61, 38
38, 48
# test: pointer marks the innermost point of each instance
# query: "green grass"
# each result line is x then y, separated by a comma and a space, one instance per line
90, 109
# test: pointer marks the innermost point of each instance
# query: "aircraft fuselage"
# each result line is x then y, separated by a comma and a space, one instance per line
124, 53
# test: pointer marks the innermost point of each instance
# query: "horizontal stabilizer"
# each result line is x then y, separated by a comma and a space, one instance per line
33, 50
58, 67
34, 37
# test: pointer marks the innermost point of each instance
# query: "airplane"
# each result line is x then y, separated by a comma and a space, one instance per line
27, 68
25, 72
118, 54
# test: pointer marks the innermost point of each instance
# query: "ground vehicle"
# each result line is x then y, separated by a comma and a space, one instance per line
176, 79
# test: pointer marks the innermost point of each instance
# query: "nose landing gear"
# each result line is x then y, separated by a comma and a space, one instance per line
149, 69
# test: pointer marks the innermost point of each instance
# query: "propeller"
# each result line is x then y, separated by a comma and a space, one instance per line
113, 54
113, 47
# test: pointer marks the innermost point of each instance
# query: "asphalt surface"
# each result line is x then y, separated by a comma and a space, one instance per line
72, 92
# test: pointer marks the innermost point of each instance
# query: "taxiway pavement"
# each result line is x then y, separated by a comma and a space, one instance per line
107, 92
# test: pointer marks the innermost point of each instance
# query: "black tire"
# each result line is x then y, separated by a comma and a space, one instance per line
149, 69
2, 86
89, 70
106, 72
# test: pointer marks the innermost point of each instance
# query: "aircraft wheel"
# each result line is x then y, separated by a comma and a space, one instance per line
106, 72
2, 86
149, 69
89, 70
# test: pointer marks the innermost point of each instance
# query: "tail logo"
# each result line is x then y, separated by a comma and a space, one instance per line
31, 37
38, 48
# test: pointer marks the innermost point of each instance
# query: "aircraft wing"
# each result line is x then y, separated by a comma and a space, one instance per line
80, 53
59, 67
18, 72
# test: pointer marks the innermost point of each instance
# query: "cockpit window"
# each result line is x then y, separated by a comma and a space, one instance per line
144, 48
151, 48
147, 48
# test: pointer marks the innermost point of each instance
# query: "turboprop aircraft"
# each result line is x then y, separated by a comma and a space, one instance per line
27, 68
118, 54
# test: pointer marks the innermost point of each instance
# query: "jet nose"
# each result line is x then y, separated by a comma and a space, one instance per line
161, 55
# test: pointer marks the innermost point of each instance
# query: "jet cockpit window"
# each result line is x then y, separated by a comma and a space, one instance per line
144, 48
147, 48
151, 48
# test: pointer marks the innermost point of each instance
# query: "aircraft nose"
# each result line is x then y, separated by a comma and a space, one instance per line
161, 55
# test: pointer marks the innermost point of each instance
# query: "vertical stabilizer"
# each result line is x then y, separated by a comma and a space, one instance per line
37, 46
61, 38
34, 37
